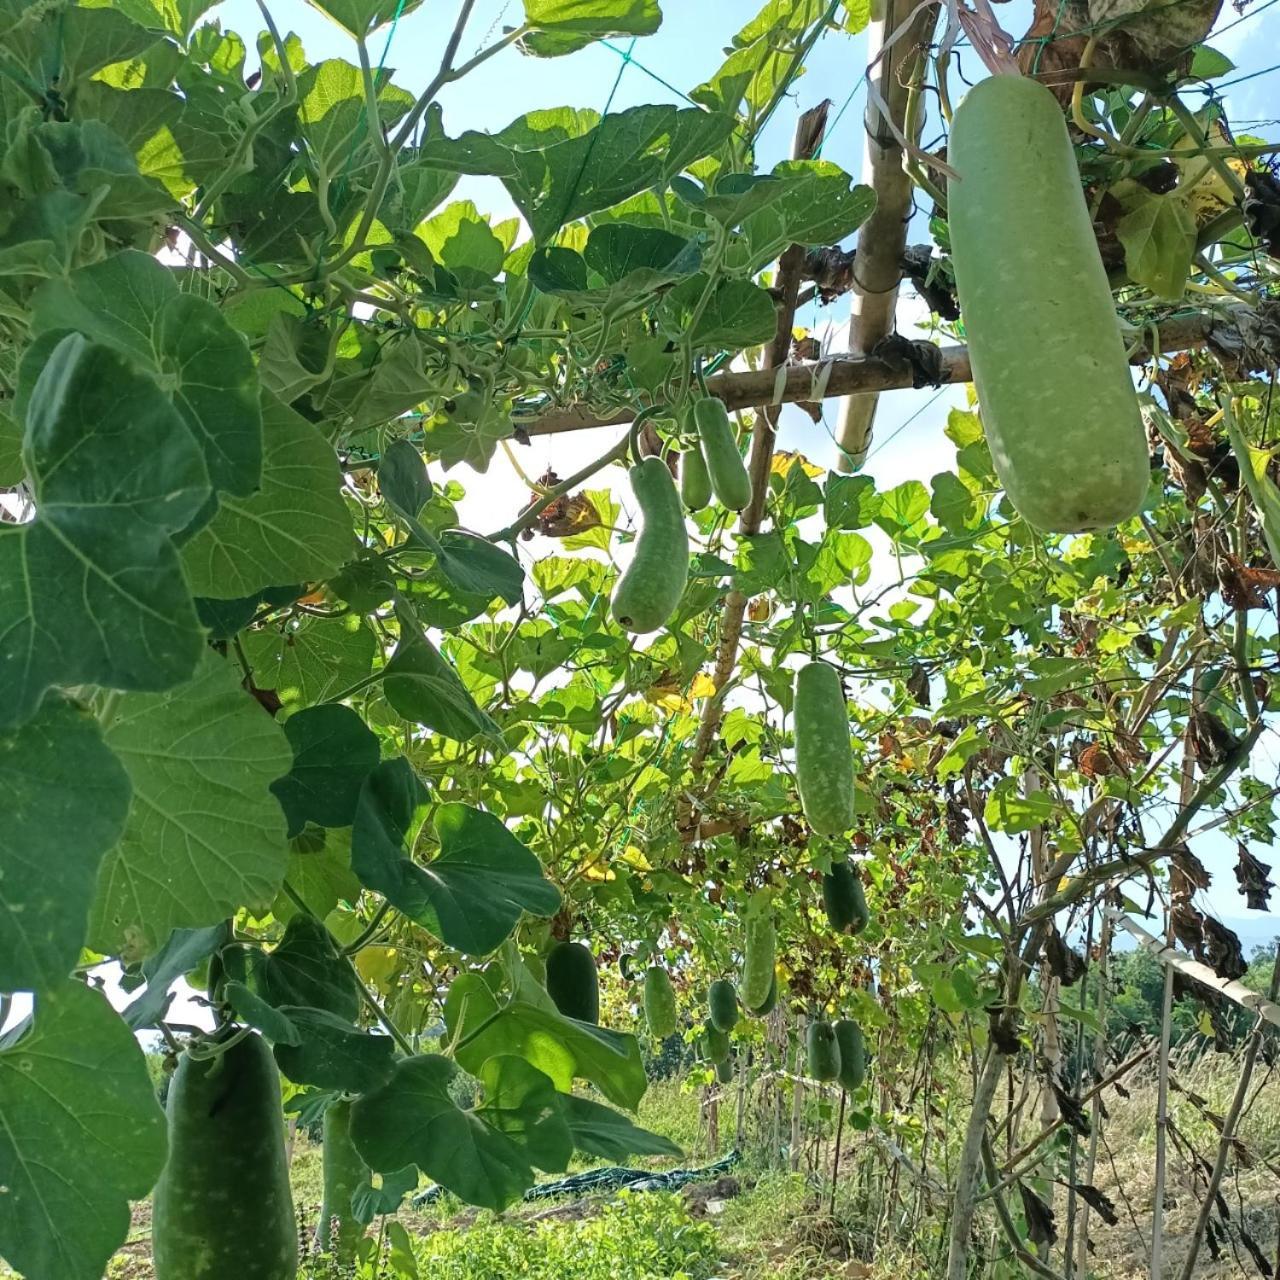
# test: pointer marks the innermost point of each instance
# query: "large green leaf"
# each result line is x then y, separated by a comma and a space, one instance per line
306, 970
562, 1048
310, 659
333, 1054
331, 113
561, 165
205, 835
421, 686
295, 528
1158, 233
413, 1119
600, 1131
319, 872
524, 1104
473, 893
819, 204
80, 1135
92, 592
738, 313
132, 303
64, 797
333, 752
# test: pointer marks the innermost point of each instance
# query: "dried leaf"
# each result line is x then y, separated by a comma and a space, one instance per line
1222, 949
1096, 762
1066, 965
1252, 877
573, 513
1040, 1229
1098, 1201
1245, 587
1211, 740
1191, 869
1072, 1113
918, 685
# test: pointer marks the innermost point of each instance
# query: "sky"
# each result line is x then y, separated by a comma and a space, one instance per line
909, 442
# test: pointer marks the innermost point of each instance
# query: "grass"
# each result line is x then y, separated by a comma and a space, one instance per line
785, 1226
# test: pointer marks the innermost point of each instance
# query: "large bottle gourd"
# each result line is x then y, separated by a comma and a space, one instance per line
1054, 387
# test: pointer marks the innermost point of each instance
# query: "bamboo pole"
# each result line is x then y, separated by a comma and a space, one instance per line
894, 57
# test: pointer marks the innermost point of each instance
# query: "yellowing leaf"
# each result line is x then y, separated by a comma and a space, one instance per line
599, 872
703, 686
783, 462
376, 965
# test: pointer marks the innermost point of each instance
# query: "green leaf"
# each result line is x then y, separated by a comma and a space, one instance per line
131, 303
963, 428
321, 877
359, 18
819, 204
333, 752
76, 1097
369, 1202
331, 111
333, 1054
1159, 238
762, 56
306, 969
523, 1103
473, 893
475, 565
65, 798
600, 1131
295, 528
851, 502
738, 313
1208, 64
308, 660
205, 836
12, 469
1006, 810
903, 506
413, 1119
565, 26
562, 1048
421, 686
255, 1012
403, 479
92, 592
461, 240
952, 504
184, 951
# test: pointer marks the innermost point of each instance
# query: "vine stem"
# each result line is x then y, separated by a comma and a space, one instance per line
535, 509
810, 130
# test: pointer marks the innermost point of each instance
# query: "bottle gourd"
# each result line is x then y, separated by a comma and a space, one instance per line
824, 753
222, 1209
730, 480
1054, 387
648, 592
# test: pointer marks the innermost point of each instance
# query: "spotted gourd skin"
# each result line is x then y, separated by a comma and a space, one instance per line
824, 753
1054, 386
338, 1231
649, 591
760, 946
222, 1209
659, 1002
853, 1054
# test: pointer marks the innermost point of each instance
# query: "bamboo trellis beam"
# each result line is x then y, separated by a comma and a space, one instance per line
1254, 1001
841, 376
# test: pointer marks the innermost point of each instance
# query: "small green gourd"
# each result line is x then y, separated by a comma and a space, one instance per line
649, 591
730, 480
